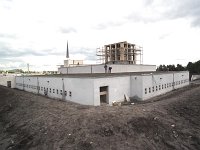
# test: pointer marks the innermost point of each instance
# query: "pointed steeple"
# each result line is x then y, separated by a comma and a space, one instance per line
67, 53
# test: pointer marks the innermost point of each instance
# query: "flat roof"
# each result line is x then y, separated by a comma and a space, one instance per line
104, 75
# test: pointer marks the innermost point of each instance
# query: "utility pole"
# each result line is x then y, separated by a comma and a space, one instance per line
28, 67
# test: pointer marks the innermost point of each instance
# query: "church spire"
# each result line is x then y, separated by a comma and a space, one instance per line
67, 53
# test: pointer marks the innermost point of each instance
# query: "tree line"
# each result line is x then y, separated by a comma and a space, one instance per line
193, 68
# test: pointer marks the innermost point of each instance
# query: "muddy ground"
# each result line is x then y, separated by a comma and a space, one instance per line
170, 121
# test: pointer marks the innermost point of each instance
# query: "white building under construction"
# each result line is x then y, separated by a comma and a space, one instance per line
120, 76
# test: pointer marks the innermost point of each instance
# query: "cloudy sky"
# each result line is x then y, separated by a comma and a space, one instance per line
36, 31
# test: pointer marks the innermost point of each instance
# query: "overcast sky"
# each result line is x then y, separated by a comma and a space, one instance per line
36, 31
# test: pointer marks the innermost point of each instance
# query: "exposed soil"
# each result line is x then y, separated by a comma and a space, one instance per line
170, 121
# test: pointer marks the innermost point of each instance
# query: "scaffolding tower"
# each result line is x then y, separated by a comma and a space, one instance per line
120, 53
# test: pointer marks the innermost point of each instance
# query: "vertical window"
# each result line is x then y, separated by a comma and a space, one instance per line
53, 90
153, 89
159, 87
162, 86
65, 93
145, 90
60, 92
70, 93
57, 91
156, 88
165, 86
149, 90
50, 90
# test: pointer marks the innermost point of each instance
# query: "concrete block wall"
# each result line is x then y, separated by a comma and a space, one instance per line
117, 88
136, 84
157, 84
72, 89
195, 77
85, 90
132, 68
116, 68
5, 78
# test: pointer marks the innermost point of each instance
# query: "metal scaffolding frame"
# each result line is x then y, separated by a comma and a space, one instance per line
121, 52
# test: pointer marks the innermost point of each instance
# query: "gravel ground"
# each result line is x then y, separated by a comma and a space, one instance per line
170, 121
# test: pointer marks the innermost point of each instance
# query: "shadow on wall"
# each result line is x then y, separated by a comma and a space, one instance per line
135, 98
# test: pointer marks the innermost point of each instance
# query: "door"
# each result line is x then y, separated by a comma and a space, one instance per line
103, 94
9, 84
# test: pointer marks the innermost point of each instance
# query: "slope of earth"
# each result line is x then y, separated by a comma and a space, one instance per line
170, 121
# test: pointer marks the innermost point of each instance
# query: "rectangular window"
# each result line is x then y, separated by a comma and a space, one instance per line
60, 92
50, 90
165, 86
156, 88
65, 93
162, 86
53, 90
159, 87
70, 93
145, 90
44, 88
149, 90
153, 89
57, 91
47, 89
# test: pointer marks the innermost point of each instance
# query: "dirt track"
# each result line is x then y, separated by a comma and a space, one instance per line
170, 121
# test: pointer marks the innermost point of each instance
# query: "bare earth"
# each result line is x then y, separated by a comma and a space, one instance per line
170, 121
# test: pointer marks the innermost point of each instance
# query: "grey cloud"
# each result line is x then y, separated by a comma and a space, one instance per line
148, 2
167, 10
12, 36
163, 36
105, 25
7, 52
67, 30
90, 53
136, 17
185, 8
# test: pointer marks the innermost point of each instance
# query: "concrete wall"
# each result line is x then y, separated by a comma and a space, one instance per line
136, 84
72, 89
117, 88
195, 77
5, 78
157, 84
85, 90
132, 68
116, 68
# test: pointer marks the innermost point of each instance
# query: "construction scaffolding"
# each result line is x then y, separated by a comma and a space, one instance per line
120, 53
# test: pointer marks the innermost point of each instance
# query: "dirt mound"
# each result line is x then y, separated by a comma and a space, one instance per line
29, 121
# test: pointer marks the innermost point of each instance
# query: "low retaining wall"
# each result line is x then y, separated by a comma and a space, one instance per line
195, 77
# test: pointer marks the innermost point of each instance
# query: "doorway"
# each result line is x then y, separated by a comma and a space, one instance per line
9, 84
103, 94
